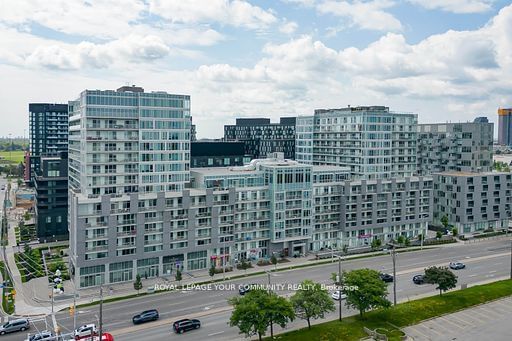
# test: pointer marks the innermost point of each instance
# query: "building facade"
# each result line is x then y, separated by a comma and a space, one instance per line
123, 145
373, 141
218, 154
505, 127
269, 206
48, 132
459, 147
472, 202
262, 137
51, 206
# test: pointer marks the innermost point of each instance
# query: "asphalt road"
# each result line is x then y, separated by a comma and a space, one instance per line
484, 260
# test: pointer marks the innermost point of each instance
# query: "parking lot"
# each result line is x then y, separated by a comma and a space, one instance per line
491, 321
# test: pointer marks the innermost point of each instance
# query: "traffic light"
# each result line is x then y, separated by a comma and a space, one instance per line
71, 310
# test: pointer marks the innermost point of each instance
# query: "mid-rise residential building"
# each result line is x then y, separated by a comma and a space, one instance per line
472, 202
218, 154
268, 206
373, 141
262, 137
51, 200
459, 147
505, 127
122, 145
48, 132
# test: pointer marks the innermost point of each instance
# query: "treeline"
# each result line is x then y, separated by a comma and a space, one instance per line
13, 145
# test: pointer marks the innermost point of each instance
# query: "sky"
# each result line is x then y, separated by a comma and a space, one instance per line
446, 60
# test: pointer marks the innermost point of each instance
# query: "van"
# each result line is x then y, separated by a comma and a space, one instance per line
14, 326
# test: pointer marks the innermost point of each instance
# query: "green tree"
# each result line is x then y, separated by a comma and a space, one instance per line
211, 272
273, 260
178, 276
244, 266
370, 293
442, 276
137, 285
345, 249
257, 310
400, 240
376, 243
444, 221
439, 234
455, 232
407, 242
311, 301
26, 216
420, 237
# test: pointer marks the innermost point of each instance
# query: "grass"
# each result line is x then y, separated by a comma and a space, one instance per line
7, 301
404, 314
14, 157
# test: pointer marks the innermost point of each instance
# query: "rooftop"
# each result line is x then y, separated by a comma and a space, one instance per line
451, 173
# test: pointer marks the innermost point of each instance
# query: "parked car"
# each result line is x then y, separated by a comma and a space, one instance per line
386, 277
42, 336
245, 288
457, 265
185, 325
146, 316
14, 326
336, 295
418, 279
87, 330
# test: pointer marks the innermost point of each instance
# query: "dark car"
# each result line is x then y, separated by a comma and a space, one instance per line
185, 325
457, 265
146, 316
418, 279
245, 288
386, 277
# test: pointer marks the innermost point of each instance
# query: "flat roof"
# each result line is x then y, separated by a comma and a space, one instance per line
451, 173
223, 171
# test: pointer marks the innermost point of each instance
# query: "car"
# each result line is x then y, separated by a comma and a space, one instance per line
336, 295
386, 277
418, 279
457, 265
245, 288
185, 325
87, 330
146, 316
42, 336
14, 326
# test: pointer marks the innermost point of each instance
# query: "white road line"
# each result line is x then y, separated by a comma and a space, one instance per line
217, 333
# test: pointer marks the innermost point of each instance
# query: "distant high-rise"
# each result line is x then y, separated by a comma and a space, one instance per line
373, 141
461, 147
505, 127
48, 132
262, 137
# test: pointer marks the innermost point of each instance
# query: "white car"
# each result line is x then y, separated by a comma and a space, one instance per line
86, 330
336, 295
42, 336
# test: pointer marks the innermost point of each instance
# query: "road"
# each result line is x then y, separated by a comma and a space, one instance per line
485, 261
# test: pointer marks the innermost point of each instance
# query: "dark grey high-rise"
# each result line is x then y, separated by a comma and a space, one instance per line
48, 132
262, 137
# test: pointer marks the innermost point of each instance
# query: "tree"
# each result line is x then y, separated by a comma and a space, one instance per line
258, 309
273, 260
444, 221
407, 242
400, 240
211, 272
420, 237
137, 285
311, 301
345, 249
439, 235
455, 232
371, 291
244, 266
178, 276
376, 243
442, 276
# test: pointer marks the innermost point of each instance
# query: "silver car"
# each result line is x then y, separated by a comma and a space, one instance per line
42, 336
14, 326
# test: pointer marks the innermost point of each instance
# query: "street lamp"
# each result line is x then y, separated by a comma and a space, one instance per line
339, 283
393, 255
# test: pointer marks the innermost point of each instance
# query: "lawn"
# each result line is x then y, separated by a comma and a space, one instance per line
7, 301
12, 157
402, 315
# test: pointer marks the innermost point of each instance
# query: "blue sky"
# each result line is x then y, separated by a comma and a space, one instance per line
442, 59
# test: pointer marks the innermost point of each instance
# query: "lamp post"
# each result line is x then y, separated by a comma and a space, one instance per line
339, 285
394, 274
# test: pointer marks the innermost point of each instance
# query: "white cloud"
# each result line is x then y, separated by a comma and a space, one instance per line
237, 13
288, 27
368, 15
456, 6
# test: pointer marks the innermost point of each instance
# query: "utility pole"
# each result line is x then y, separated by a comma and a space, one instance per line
394, 274
224, 259
74, 310
101, 313
339, 281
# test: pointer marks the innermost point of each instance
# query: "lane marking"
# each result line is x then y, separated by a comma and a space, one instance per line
217, 333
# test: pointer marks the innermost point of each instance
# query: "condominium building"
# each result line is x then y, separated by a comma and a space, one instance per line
459, 147
218, 154
472, 202
48, 132
373, 141
269, 206
262, 137
122, 145
505, 127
